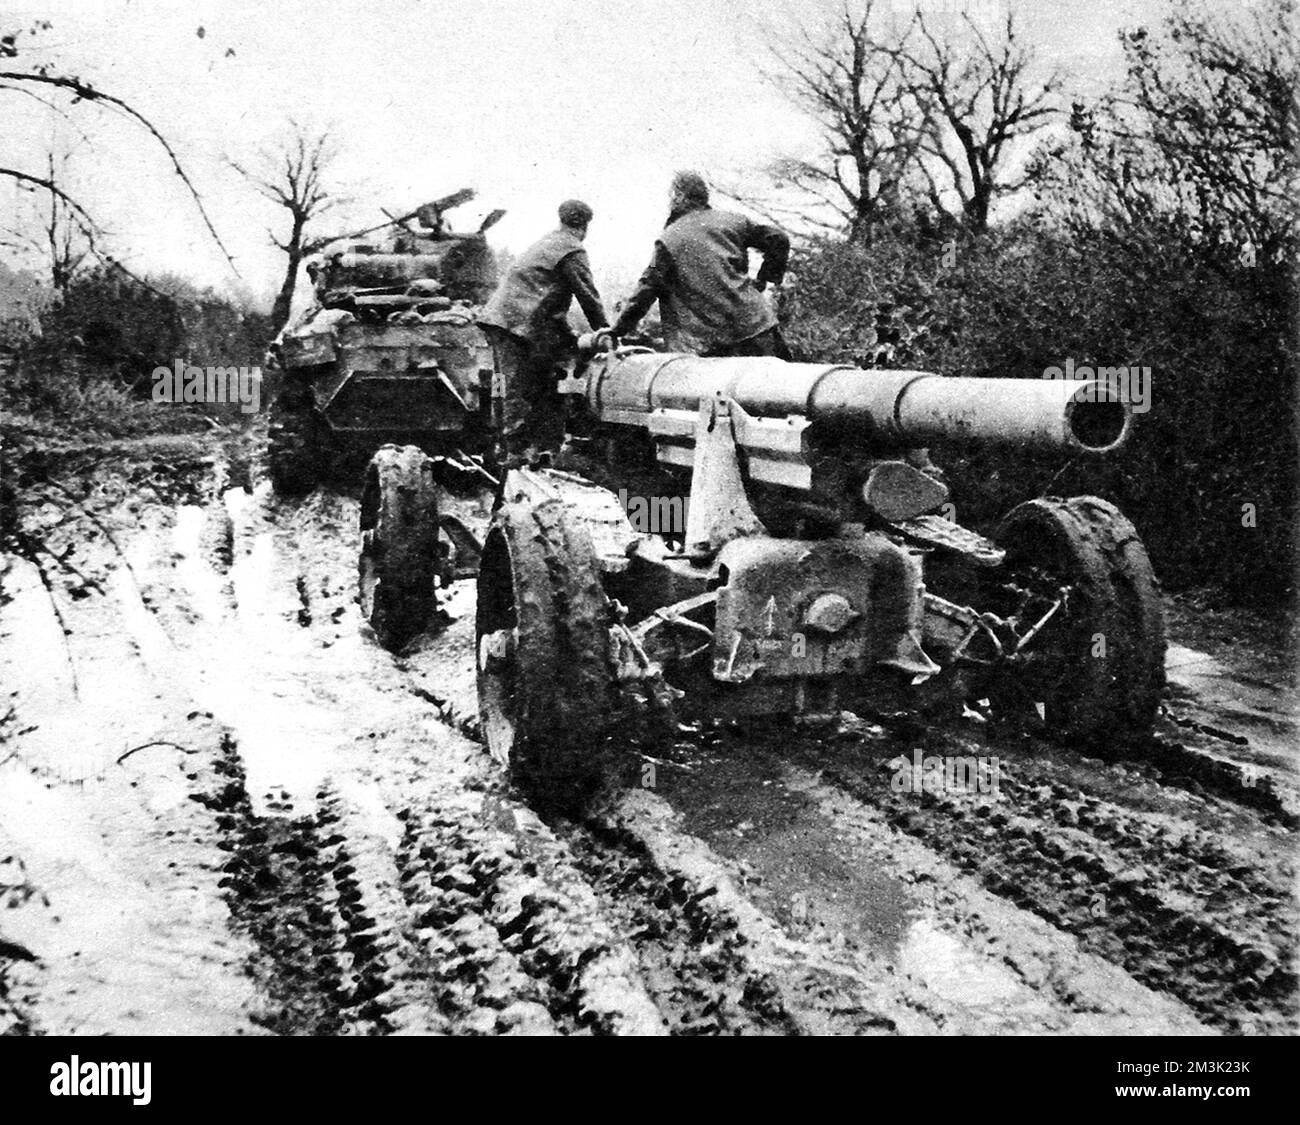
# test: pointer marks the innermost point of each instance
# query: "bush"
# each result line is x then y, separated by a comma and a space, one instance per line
90, 367
1213, 329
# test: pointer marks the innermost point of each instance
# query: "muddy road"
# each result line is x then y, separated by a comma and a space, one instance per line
225, 809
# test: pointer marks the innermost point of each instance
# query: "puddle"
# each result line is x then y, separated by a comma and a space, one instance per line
809, 875
952, 970
822, 876
257, 670
1267, 715
48, 668
81, 700
1215, 682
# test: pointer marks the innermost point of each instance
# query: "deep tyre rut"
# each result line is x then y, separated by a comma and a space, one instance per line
715, 963
279, 891
1184, 910
519, 941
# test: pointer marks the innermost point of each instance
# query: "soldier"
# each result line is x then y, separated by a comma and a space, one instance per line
525, 323
700, 276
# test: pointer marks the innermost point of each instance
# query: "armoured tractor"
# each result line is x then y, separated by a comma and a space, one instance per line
388, 352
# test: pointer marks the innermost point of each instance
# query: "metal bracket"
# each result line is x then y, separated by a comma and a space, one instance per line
674, 616
719, 511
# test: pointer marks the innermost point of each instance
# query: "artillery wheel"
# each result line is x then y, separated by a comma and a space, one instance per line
1099, 667
546, 684
295, 448
398, 563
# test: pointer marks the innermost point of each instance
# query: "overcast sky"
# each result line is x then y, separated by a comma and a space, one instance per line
529, 101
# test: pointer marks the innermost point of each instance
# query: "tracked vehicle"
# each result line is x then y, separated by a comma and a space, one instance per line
390, 351
802, 562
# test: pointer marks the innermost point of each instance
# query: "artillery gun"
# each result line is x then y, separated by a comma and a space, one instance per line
748, 536
390, 350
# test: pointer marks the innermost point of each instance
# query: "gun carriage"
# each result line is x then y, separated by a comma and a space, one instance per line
735, 537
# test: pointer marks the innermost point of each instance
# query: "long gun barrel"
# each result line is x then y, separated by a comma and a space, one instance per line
898, 408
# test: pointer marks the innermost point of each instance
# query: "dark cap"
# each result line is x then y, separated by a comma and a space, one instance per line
691, 187
575, 213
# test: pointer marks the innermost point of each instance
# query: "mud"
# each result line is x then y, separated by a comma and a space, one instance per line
265, 823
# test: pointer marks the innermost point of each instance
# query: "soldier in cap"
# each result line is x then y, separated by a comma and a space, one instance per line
525, 321
700, 276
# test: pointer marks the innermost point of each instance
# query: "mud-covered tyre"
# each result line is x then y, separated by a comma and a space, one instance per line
1098, 668
295, 451
546, 683
398, 564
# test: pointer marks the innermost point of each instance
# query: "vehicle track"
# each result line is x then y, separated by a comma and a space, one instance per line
1150, 882
711, 958
522, 941
384, 878
1104, 851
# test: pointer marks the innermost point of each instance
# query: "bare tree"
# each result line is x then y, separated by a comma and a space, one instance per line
909, 110
55, 236
1216, 102
61, 94
294, 177
980, 100
847, 73
1204, 137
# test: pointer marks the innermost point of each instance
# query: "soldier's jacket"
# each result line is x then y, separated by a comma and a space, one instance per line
699, 276
533, 298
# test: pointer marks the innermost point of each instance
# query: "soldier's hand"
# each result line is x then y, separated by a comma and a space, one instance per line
602, 340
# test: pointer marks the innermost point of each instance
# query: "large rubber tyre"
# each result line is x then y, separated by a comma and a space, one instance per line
1101, 663
546, 684
296, 444
398, 564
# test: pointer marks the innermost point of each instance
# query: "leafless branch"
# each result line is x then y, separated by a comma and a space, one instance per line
83, 91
